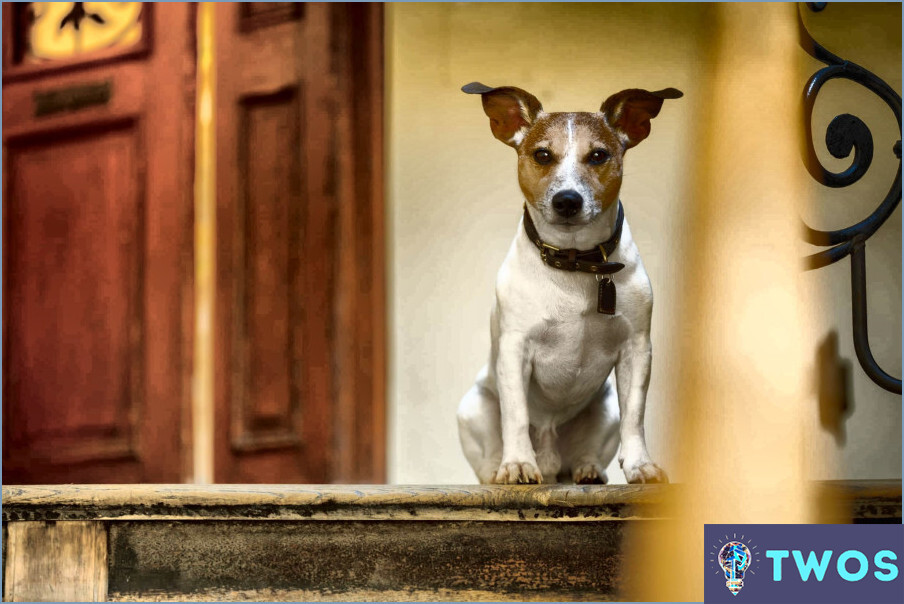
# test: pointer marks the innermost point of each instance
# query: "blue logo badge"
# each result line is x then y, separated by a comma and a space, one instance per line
803, 563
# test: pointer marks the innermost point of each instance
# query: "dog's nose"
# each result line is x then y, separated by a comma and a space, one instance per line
567, 203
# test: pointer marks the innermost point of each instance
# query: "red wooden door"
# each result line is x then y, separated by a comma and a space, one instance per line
97, 220
299, 313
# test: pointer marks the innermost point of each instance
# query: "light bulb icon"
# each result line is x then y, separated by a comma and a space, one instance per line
734, 558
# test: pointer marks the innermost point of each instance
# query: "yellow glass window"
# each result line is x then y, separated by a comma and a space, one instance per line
63, 30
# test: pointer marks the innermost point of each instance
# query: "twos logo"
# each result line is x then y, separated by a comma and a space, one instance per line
882, 559
803, 563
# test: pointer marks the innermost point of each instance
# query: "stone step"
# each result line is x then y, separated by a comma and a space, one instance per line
313, 542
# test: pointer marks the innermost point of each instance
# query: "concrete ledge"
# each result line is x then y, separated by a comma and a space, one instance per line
867, 501
331, 542
331, 502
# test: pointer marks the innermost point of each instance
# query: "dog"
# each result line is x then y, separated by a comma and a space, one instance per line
572, 304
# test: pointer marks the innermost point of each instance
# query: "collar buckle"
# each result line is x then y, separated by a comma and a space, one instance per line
603, 252
545, 248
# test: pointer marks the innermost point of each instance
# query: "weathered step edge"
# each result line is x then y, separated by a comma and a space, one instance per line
331, 502
867, 501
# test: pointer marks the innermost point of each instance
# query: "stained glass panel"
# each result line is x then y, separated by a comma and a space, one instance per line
65, 30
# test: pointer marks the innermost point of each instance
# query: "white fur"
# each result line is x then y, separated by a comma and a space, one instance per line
546, 401
516, 139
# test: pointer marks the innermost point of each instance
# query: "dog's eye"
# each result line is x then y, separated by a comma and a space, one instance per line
597, 157
543, 156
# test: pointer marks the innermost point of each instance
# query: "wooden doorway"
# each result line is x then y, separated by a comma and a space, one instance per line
98, 246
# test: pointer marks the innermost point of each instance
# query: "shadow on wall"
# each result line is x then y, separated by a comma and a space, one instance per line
835, 377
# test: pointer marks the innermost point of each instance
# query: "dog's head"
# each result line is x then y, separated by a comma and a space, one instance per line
570, 164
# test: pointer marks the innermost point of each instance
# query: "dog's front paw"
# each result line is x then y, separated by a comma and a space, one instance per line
590, 473
644, 472
518, 473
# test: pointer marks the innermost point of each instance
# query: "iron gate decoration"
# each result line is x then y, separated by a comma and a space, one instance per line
844, 133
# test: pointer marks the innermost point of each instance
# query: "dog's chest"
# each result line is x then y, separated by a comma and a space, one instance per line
571, 346
574, 350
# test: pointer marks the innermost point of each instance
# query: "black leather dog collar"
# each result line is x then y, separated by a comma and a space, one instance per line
594, 260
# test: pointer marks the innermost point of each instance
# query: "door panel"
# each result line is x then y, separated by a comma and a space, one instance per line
267, 398
97, 264
55, 232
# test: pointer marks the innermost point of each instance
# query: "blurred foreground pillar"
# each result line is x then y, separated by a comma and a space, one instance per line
745, 373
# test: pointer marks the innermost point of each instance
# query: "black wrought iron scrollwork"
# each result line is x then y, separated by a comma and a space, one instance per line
844, 134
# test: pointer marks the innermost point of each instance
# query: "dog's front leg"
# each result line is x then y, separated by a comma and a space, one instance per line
519, 462
632, 375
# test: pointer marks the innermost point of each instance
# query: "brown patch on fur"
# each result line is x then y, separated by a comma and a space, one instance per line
505, 116
510, 110
590, 132
630, 111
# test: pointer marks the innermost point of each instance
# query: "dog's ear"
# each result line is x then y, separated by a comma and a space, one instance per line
629, 112
511, 110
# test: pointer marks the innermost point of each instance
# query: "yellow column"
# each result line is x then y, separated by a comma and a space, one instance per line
745, 374
205, 252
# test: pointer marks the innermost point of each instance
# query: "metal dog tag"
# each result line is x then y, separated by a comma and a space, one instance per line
606, 300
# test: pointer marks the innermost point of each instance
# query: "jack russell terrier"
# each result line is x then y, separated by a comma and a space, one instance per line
545, 405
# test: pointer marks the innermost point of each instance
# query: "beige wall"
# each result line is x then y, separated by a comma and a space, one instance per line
453, 206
